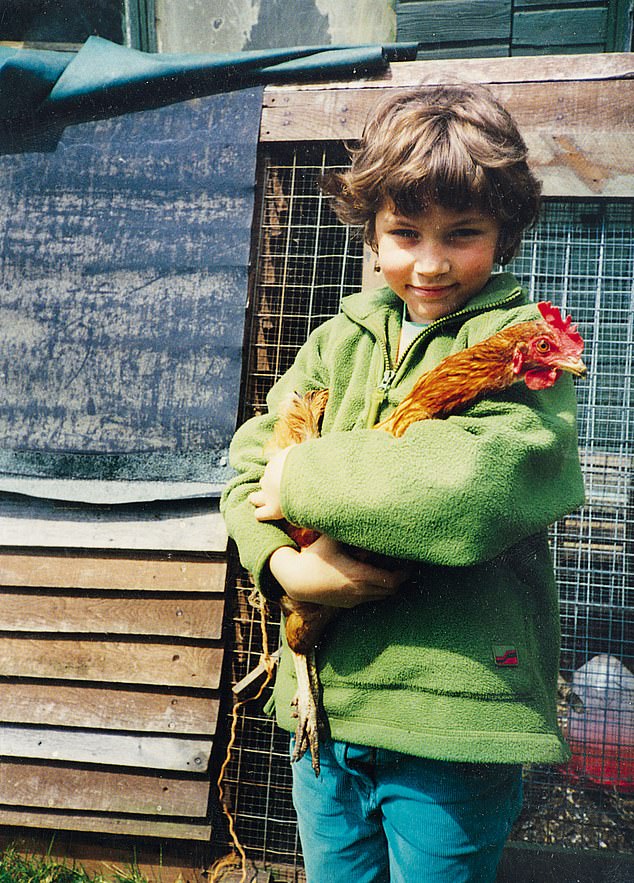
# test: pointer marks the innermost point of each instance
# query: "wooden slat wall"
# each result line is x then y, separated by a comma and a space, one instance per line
109, 674
490, 28
575, 112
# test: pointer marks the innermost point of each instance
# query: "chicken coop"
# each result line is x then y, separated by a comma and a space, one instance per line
126, 621
576, 115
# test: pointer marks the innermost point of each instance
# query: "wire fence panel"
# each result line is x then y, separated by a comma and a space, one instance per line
580, 256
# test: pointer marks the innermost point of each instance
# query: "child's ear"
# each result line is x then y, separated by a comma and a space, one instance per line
372, 277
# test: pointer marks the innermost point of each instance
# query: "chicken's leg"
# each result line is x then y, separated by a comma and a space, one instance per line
306, 705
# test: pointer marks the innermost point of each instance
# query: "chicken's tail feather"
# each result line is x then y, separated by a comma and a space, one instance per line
299, 419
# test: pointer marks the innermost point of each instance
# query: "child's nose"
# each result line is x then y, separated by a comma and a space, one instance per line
431, 261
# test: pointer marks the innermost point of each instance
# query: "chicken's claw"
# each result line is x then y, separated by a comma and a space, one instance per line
306, 710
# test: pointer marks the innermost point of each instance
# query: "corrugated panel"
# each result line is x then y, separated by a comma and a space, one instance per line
110, 667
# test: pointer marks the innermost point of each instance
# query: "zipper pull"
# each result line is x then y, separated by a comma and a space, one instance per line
379, 395
386, 380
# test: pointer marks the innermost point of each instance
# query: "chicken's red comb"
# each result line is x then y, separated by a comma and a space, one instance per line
552, 315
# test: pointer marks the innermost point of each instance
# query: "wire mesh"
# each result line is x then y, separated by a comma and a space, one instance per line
581, 255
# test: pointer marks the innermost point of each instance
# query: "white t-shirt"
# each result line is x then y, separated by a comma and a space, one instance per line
409, 331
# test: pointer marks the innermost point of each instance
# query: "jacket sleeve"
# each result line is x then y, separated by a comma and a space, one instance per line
449, 492
255, 540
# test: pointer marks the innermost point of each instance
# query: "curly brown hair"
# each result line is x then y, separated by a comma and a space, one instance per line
451, 145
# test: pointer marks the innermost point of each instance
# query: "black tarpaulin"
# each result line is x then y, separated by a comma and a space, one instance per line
125, 213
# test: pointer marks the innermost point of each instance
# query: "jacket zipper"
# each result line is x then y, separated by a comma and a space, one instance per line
380, 392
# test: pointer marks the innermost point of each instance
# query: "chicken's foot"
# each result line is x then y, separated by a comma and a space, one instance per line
306, 708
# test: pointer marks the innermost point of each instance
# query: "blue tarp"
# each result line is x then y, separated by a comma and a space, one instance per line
105, 79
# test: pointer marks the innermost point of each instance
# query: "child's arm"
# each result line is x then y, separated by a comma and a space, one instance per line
324, 573
452, 492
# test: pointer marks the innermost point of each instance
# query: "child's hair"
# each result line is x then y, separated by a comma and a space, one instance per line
454, 146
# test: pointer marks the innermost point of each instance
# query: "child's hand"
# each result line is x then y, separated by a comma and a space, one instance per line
323, 573
267, 499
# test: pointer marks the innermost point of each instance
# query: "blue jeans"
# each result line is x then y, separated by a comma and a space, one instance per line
375, 816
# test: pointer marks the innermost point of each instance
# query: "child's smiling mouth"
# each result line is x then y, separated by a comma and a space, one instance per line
431, 290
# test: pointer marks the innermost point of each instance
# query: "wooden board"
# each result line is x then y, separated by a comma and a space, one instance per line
106, 824
86, 571
175, 616
110, 749
78, 705
580, 132
584, 164
452, 21
166, 664
560, 27
87, 706
336, 114
61, 787
521, 69
30, 522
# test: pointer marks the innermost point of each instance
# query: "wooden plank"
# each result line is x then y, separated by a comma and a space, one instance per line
78, 705
337, 114
520, 69
180, 617
108, 824
86, 571
569, 49
64, 787
586, 164
560, 27
110, 749
451, 21
122, 663
41, 523
580, 134
528, 4
487, 50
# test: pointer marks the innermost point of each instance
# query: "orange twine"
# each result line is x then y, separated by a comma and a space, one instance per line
256, 600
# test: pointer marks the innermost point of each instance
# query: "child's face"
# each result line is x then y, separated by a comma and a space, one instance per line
438, 260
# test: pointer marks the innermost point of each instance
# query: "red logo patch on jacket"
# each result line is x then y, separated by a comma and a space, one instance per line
505, 655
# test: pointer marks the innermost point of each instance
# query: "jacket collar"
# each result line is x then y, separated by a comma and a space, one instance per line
370, 308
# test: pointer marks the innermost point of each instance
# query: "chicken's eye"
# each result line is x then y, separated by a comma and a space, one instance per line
542, 345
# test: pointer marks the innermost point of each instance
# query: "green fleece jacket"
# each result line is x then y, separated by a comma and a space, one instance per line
462, 663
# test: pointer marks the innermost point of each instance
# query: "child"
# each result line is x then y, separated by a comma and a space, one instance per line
439, 678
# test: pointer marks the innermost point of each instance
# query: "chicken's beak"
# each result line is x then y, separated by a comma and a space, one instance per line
574, 366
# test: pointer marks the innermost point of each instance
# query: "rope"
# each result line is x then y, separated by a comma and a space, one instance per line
232, 860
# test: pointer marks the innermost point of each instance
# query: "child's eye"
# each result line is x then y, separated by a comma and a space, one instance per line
404, 233
465, 233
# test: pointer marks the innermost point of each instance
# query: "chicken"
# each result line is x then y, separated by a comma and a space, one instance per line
535, 352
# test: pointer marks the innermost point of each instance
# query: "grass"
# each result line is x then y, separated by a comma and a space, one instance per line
15, 867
